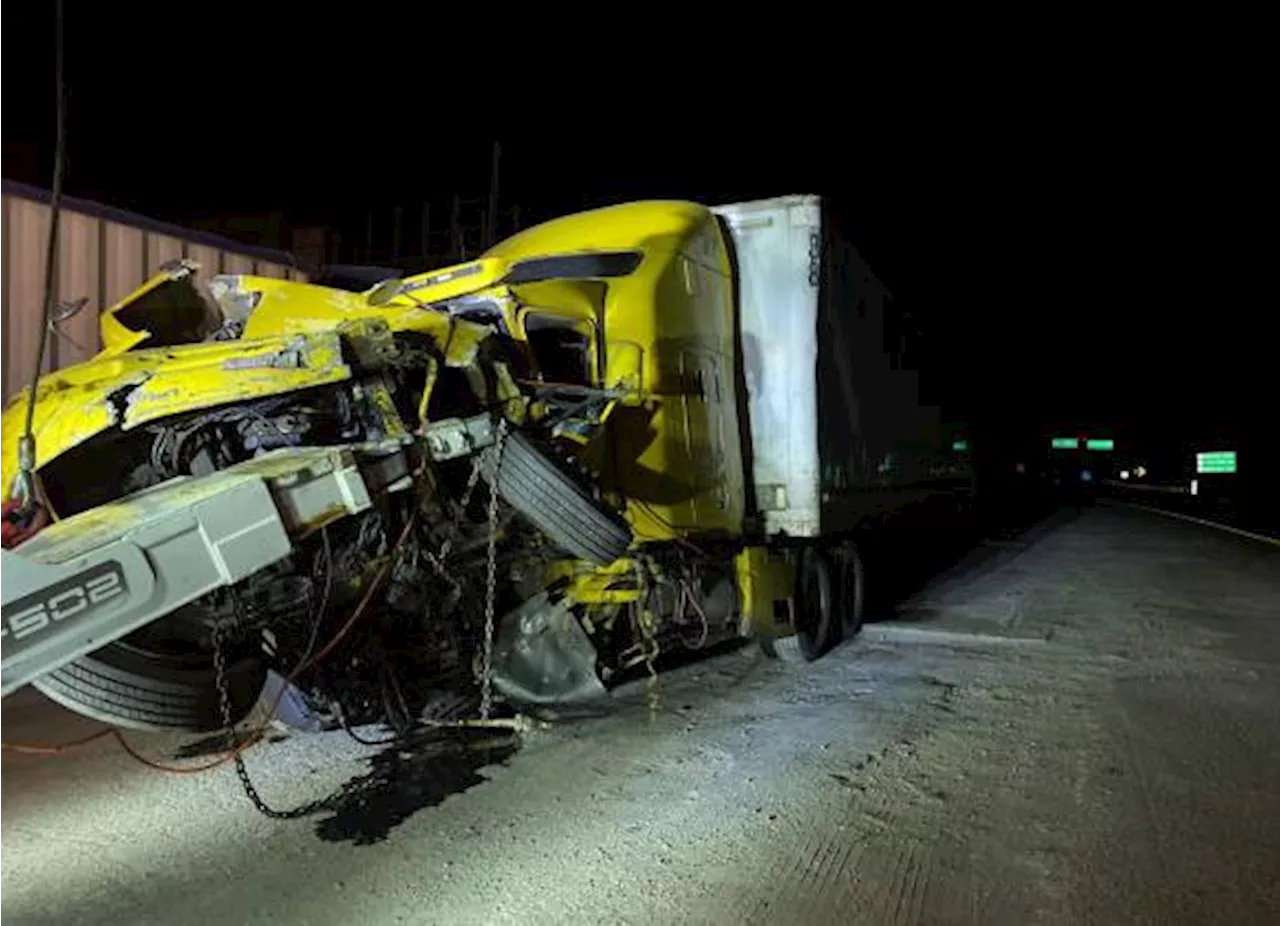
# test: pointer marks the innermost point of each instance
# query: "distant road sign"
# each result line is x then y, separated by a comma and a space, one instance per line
1065, 443
1216, 461
1100, 443
960, 445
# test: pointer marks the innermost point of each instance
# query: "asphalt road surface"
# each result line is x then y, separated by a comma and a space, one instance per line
1080, 724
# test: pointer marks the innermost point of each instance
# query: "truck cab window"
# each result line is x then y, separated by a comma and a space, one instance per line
562, 354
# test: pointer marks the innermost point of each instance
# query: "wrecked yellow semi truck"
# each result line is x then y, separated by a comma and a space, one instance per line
620, 433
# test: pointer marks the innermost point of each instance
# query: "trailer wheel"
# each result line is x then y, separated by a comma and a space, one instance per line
849, 597
817, 627
125, 686
556, 505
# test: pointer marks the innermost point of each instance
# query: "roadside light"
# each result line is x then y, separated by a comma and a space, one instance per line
1124, 474
1195, 486
1140, 472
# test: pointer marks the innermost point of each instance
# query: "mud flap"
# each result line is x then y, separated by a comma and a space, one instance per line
543, 656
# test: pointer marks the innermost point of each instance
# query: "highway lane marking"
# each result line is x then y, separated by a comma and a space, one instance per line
1263, 538
890, 633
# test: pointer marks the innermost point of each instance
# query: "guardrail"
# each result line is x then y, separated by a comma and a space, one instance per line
1235, 512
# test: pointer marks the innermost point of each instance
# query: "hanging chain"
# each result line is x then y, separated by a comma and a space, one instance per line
438, 559
473, 478
491, 577
518, 724
649, 649
224, 699
652, 695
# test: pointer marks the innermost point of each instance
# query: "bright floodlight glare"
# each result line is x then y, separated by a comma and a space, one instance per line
1124, 474
1140, 471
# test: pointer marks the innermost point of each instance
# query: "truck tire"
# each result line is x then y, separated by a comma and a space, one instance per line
849, 584
555, 504
128, 687
817, 623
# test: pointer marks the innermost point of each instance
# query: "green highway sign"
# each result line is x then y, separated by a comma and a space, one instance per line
960, 445
1101, 443
1216, 461
1065, 443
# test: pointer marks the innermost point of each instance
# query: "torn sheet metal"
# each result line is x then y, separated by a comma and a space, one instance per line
438, 285
208, 375
464, 342
76, 403
543, 656
174, 306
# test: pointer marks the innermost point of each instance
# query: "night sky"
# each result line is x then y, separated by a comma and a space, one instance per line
1081, 252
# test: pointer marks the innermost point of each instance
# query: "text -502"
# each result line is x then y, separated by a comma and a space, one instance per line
76, 596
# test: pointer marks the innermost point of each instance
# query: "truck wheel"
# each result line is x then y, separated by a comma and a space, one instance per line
133, 688
556, 505
817, 626
849, 595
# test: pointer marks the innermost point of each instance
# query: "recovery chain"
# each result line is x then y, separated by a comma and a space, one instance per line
518, 724
649, 648
491, 577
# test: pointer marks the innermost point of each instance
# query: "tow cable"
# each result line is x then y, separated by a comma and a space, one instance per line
19, 519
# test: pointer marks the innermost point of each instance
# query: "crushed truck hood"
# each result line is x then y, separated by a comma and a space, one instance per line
133, 388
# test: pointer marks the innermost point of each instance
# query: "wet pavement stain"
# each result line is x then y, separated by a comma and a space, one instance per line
410, 776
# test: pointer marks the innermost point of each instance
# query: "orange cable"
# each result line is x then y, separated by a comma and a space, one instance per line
178, 770
256, 736
31, 749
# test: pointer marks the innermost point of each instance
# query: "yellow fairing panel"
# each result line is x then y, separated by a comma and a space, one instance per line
285, 307
207, 376
448, 283
644, 226
75, 403
672, 450
172, 307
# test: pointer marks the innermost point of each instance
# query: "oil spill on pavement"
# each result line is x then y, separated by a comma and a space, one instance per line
409, 776
218, 744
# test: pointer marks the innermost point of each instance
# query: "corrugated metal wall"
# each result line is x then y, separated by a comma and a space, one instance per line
103, 255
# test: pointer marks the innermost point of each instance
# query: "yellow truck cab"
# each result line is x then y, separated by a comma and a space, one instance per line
652, 286
672, 404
